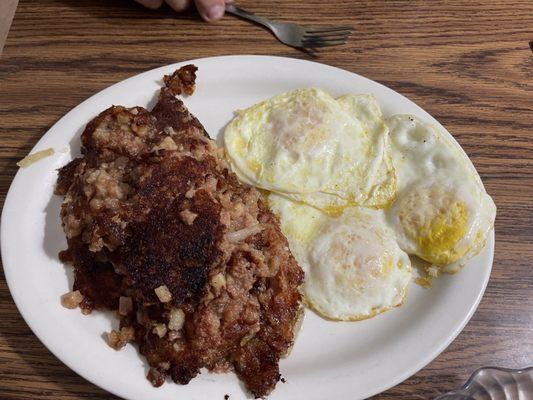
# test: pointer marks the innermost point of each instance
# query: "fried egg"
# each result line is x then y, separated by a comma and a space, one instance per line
314, 149
442, 214
357, 195
366, 109
354, 267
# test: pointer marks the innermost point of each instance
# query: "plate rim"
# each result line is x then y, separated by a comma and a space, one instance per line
430, 356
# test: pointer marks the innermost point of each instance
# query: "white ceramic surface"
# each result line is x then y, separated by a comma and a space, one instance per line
331, 360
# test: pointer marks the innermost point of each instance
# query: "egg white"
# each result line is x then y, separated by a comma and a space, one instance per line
312, 148
442, 213
354, 267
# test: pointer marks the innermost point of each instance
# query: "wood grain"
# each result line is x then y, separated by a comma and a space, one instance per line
468, 63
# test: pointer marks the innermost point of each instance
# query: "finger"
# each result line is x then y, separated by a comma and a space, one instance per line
210, 10
151, 3
179, 5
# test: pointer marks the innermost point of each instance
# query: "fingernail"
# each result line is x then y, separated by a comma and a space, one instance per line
215, 12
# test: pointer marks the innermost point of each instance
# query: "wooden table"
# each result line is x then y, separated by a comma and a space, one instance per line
467, 63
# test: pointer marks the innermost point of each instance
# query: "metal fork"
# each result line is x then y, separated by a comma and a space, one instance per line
306, 37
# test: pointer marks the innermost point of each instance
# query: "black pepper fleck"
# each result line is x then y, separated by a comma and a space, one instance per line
226, 397
283, 380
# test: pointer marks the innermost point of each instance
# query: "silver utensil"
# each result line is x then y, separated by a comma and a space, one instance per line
306, 37
491, 383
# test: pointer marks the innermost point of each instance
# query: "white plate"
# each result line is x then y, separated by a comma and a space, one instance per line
330, 359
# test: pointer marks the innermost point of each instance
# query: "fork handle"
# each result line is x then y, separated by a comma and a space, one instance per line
233, 9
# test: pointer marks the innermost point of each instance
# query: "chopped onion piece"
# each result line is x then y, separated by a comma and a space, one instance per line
242, 234
71, 299
176, 319
160, 330
163, 294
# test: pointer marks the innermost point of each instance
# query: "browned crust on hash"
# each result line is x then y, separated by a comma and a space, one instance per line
182, 81
157, 223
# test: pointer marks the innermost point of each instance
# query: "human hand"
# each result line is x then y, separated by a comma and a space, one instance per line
210, 10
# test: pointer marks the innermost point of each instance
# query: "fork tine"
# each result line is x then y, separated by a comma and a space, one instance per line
321, 43
327, 29
332, 36
326, 35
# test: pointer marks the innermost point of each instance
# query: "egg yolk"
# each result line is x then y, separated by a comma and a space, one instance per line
437, 237
255, 167
334, 211
300, 127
